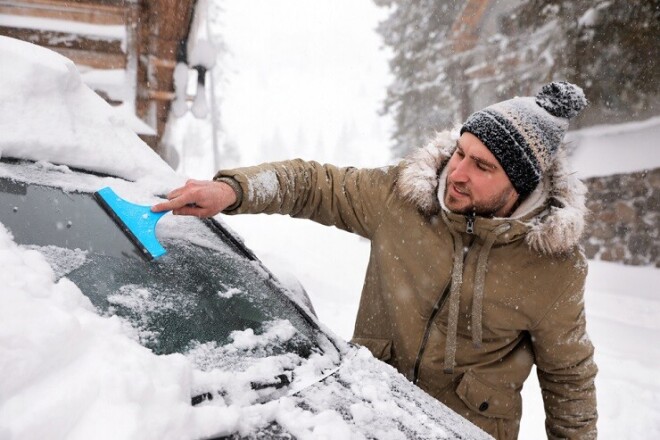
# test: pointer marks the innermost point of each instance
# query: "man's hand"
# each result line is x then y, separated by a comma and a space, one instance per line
200, 198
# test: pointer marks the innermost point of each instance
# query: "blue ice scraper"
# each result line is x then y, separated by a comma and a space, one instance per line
137, 221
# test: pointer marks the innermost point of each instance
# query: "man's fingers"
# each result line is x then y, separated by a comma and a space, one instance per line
173, 204
197, 198
163, 206
190, 184
175, 193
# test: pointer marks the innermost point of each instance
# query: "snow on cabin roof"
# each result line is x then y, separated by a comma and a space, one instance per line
48, 113
99, 31
604, 150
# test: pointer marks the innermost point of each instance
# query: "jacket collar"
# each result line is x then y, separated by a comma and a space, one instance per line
551, 220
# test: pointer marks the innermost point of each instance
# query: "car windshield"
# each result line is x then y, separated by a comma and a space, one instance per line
200, 293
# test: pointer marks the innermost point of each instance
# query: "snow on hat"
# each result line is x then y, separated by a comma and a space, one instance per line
524, 133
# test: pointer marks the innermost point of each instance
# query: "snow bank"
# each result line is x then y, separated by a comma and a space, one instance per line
48, 113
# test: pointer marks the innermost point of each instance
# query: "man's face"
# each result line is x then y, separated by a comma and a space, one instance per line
476, 182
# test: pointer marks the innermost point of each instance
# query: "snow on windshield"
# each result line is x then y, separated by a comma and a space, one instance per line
61, 260
146, 308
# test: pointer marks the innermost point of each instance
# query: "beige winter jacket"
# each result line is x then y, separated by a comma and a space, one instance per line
463, 307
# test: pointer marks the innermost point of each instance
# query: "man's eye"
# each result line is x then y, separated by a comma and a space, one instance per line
483, 167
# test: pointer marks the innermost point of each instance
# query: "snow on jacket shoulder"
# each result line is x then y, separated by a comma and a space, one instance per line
466, 330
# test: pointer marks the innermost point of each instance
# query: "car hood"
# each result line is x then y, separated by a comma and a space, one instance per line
362, 398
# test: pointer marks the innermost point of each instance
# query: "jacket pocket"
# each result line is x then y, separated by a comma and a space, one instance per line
380, 348
488, 400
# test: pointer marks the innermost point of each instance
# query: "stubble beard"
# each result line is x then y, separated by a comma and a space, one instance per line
486, 208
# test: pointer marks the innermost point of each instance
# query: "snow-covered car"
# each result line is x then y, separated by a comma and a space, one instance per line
98, 342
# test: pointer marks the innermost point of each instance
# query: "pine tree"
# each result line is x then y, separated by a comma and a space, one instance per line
443, 72
609, 47
419, 99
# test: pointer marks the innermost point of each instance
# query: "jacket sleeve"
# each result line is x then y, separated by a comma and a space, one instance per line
565, 366
348, 198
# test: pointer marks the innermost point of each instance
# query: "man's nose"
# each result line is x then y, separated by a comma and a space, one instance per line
460, 173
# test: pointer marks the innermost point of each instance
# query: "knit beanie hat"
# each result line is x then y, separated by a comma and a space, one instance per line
524, 133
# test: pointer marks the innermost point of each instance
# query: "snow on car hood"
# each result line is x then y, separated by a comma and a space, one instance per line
48, 113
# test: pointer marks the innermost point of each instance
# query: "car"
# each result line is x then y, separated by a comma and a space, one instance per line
251, 359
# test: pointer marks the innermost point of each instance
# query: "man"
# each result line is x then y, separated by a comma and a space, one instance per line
475, 271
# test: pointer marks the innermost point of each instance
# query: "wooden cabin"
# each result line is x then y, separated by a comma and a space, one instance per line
126, 50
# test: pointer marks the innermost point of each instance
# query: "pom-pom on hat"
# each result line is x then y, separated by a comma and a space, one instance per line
524, 133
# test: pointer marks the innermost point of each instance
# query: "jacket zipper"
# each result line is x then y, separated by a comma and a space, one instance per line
427, 331
469, 228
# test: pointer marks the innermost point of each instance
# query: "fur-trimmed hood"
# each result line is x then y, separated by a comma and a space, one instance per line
554, 230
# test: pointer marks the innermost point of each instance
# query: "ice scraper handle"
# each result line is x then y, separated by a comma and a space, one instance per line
137, 221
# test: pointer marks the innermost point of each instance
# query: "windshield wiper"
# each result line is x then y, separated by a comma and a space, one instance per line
196, 400
281, 381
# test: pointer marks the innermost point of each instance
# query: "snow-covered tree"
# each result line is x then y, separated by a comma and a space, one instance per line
419, 98
452, 58
609, 47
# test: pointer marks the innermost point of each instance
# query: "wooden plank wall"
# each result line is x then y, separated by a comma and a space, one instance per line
85, 50
163, 24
